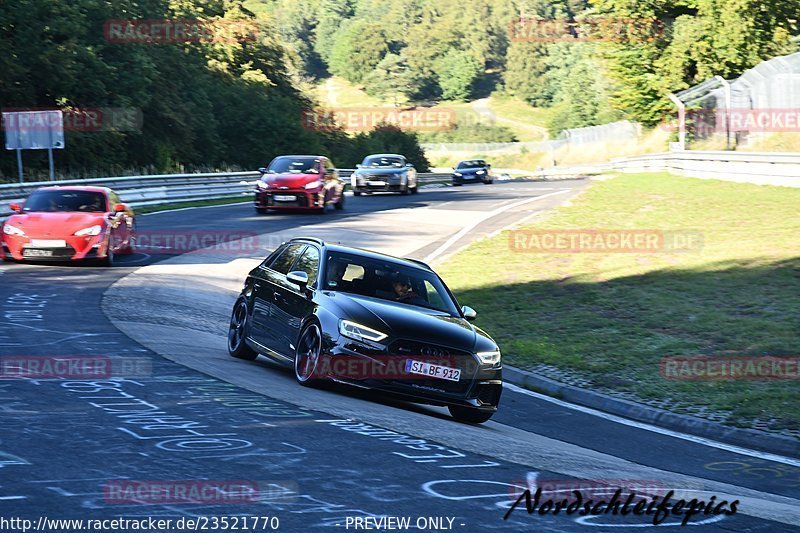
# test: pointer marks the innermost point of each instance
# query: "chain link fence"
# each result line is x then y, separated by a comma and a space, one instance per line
762, 101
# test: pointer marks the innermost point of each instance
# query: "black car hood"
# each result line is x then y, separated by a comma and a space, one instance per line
409, 322
469, 170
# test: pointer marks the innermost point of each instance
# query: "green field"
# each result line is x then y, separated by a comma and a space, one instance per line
611, 317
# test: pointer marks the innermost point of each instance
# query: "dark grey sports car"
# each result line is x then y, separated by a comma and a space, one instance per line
384, 173
363, 318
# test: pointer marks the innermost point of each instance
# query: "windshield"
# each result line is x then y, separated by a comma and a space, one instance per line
294, 165
387, 280
56, 201
392, 162
476, 163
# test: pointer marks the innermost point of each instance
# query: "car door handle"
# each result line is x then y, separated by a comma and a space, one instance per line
257, 285
276, 295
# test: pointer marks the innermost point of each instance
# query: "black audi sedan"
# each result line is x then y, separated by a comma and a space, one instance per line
354, 316
472, 171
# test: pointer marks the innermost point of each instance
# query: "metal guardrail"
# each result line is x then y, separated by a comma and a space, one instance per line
763, 168
167, 188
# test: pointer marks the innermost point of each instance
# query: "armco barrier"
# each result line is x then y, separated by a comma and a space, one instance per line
167, 188
763, 168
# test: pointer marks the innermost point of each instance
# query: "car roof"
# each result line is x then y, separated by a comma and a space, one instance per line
362, 252
465, 160
301, 155
385, 155
74, 188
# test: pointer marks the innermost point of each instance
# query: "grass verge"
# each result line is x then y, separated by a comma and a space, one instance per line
610, 318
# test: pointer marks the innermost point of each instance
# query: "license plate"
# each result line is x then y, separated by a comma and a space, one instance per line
45, 243
283, 198
377, 183
433, 371
37, 253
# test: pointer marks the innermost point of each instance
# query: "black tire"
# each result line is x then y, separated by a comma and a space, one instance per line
108, 260
469, 415
237, 333
356, 193
488, 182
308, 355
262, 210
404, 191
340, 204
8, 259
456, 184
415, 190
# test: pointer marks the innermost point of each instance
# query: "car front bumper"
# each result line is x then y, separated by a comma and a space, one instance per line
479, 386
289, 199
76, 248
378, 183
470, 178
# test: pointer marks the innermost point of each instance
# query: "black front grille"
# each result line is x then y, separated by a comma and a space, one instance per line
436, 354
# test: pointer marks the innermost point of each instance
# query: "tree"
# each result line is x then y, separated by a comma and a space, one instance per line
391, 79
456, 73
357, 49
526, 66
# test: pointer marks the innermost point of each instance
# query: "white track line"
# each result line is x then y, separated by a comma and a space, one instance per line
655, 429
452, 240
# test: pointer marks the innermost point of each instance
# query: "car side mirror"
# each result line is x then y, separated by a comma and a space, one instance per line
299, 278
263, 170
409, 165
120, 208
468, 312
15, 207
359, 165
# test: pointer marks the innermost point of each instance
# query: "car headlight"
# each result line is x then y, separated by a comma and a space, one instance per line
489, 358
262, 185
481, 172
91, 231
8, 229
313, 185
457, 173
359, 332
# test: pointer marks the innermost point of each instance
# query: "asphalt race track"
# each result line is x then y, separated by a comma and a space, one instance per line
178, 407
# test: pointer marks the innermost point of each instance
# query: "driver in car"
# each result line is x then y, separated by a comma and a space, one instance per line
403, 291
336, 271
